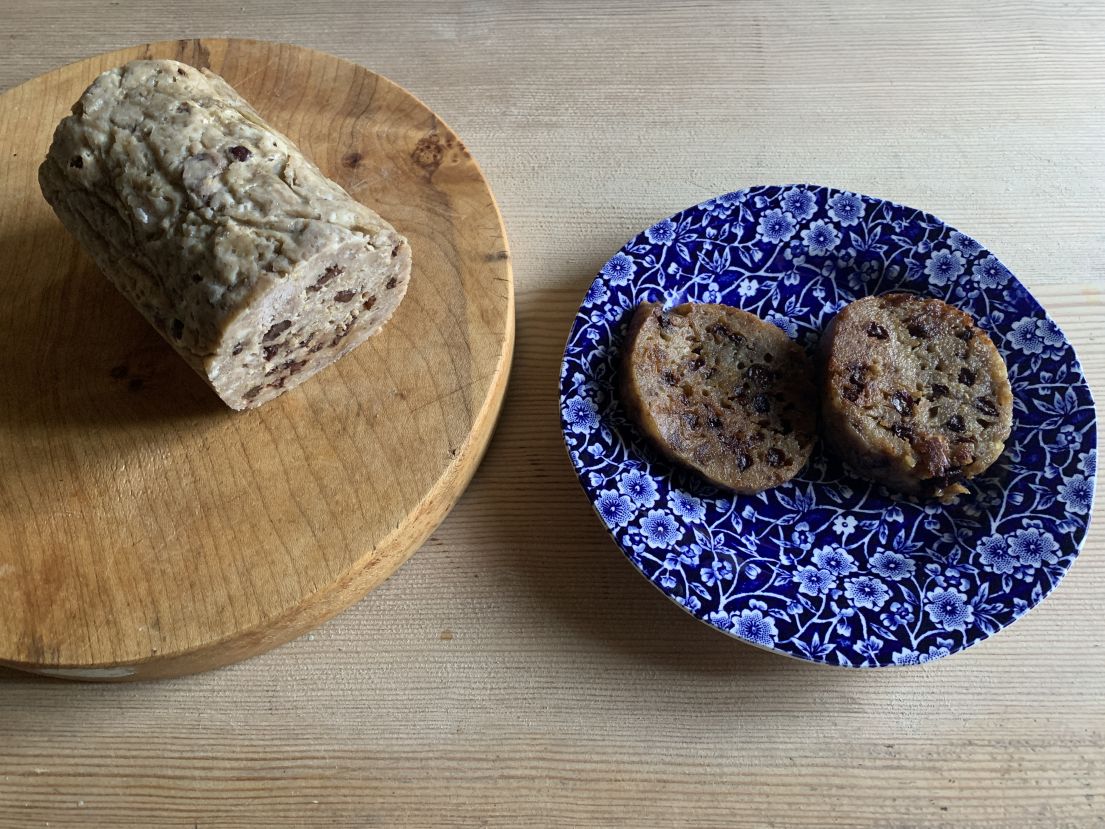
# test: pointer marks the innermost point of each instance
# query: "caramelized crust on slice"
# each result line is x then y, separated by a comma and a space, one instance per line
914, 395
722, 392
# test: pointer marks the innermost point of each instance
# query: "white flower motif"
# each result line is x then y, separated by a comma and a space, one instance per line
990, 273
777, 226
1034, 548
844, 525
799, 203
597, 294
1077, 493
891, 565
619, 269
1026, 337
659, 529
964, 244
846, 208
615, 509
994, 554
866, 592
686, 506
821, 237
949, 609
1087, 462
638, 486
944, 266
747, 287
755, 627
814, 582
788, 326
661, 233
835, 559
581, 414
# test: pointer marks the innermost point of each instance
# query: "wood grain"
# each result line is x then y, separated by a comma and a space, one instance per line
518, 672
148, 530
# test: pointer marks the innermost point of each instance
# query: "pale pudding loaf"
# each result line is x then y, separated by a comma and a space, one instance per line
254, 266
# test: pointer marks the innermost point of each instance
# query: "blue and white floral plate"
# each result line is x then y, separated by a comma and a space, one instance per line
827, 567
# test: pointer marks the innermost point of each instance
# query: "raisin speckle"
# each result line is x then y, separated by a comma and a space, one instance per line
852, 393
197, 278
761, 404
775, 457
177, 329
392, 283
953, 476
743, 460
183, 108
663, 320
902, 401
966, 377
368, 303
955, 423
237, 350
939, 390
986, 406
327, 275
877, 331
691, 420
902, 430
669, 377
276, 330
270, 352
758, 374
345, 296
719, 330
714, 422
733, 337
857, 376
965, 334
182, 72
240, 153
76, 162
919, 328
697, 363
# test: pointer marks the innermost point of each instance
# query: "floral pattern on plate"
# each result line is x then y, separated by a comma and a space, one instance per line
828, 567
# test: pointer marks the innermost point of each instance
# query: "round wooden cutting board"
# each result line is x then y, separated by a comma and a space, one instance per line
146, 530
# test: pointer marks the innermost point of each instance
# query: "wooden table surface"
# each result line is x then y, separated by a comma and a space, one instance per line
517, 672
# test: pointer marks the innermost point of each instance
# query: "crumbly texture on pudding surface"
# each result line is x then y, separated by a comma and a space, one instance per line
720, 391
914, 395
254, 266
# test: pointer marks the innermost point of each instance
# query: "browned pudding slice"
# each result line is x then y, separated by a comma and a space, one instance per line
721, 391
914, 394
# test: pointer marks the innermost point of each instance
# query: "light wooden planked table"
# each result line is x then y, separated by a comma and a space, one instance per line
517, 672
